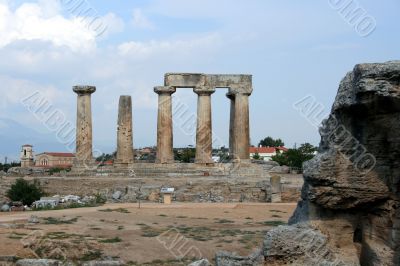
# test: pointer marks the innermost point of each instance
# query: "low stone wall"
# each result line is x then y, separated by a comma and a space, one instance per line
187, 189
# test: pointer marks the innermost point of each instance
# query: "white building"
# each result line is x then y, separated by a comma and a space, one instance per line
266, 153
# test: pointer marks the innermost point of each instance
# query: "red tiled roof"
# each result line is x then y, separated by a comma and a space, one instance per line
110, 162
262, 150
60, 154
266, 149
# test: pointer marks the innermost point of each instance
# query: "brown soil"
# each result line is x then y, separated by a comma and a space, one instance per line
155, 233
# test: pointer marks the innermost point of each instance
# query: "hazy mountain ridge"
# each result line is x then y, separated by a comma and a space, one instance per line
13, 135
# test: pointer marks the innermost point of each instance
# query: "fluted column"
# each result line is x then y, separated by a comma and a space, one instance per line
204, 125
241, 141
165, 152
84, 150
125, 154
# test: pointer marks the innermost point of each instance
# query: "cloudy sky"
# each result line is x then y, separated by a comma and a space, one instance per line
292, 49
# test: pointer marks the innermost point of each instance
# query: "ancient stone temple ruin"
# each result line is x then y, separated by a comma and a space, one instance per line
240, 88
204, 85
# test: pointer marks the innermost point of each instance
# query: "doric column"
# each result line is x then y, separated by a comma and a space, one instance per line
204, 125
84, 150
231, 97
241, 141
125, 154
165, 152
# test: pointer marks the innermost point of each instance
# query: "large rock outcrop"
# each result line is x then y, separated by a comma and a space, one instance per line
350, 198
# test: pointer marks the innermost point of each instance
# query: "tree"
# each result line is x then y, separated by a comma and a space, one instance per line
271, 142
296, 157
5, 167
185, 155
24, 191
106, 157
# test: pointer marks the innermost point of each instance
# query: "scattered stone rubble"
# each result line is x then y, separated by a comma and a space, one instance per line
202, 262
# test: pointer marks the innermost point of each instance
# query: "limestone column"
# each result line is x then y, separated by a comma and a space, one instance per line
204, 125
165, 152
84, 150
125, 155
241, 141
231, 97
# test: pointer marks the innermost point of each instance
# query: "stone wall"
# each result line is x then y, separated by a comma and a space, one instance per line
187, 189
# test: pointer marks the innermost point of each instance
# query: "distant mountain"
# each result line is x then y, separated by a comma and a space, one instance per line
13, 135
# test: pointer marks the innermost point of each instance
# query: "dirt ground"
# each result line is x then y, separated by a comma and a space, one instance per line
152, 235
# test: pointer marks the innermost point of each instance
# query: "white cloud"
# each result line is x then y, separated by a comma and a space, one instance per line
43, 21
113, 24
32, 22
14, 90
140, 21
143, 50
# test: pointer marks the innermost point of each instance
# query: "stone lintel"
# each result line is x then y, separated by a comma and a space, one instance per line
164, 90
192, 80
84, 89
229, 80
184, 80
204, 90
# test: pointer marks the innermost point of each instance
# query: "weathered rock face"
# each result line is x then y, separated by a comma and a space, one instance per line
351, 189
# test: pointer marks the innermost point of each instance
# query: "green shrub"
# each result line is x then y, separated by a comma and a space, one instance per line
24, 191
100, 199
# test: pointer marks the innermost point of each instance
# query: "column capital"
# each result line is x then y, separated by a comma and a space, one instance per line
243, 90
83, 89
164, 90
203, 90
230, 96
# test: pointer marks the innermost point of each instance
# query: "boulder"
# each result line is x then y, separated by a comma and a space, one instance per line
5, 208
117, 195
280, 169
223, 258
202, 262
300, 244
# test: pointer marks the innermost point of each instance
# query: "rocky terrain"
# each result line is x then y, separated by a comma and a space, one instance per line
349, 212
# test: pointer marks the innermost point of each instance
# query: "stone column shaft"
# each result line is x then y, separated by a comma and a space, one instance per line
125, 155
241, 141
165, 152
204, 126
84, 149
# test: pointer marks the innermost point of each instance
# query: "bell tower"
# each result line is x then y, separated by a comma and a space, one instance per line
27, 156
